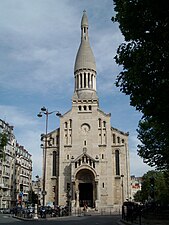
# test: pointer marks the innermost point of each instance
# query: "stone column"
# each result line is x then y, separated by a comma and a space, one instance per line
77, 199
97, 195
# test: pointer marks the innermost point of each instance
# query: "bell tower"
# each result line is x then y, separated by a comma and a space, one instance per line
85, 68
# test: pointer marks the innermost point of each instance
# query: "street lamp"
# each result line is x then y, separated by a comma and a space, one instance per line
45, 111
38, 184
122, 188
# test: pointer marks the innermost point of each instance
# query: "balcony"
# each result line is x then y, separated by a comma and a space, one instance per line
6, 175
4, 187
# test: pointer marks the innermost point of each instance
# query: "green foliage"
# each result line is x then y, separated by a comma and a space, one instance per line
145, 77
3, 143
158, 190
138, 196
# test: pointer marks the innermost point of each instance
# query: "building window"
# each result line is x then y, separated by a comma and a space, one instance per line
118, 140
65, 125
103, 185
77, 81
70, 121
84, 80
57, 140
89, 80
117, 162
92, 81
90, 107
99, 122
114, 138
102, 156
104, 124
54, 163
80, 108
80, 80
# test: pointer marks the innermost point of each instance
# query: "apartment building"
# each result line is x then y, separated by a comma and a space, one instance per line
15, 171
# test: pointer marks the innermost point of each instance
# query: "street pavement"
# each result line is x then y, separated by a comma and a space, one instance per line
72, 220
6, 219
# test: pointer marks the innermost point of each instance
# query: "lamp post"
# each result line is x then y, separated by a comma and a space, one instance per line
45, 111
122, 189
38, 183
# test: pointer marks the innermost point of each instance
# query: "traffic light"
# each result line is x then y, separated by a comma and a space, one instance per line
21, 187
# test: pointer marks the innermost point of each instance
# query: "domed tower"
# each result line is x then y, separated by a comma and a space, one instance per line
85, 68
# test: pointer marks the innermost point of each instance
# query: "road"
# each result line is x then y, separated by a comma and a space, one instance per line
83, 220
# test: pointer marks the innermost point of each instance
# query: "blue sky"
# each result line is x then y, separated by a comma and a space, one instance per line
38, 45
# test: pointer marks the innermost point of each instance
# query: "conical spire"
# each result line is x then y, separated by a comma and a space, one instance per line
85, 68
85, 58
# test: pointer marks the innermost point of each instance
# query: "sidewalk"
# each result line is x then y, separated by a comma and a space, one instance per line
145, 222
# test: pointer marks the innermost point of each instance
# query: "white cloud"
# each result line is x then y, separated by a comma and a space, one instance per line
137, 167
16, 117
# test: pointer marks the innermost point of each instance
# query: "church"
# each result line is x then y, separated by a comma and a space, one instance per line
87, 160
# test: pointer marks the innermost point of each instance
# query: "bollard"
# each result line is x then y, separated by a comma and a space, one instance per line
36, 212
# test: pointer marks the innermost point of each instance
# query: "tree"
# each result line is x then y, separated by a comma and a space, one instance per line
154, 188
137, 196
3, 143
144, 56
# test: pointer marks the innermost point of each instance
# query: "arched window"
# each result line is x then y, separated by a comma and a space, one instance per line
92, 81
80, 80
54, 163
65, 125
77, 81
99, 122
117, 161
84, 80
89, 80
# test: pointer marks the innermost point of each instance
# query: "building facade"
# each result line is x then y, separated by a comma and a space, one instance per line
87, 160
15, 171
136, 184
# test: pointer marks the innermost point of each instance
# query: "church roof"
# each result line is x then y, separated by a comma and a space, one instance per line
84, 21
85, 58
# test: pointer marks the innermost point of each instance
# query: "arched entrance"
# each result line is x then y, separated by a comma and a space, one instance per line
86, 194
86, 188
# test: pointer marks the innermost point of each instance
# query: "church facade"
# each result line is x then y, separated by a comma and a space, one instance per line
87, 160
